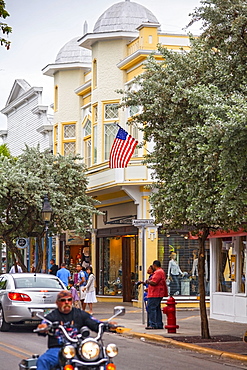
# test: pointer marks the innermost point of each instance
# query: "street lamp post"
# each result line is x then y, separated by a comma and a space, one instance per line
46, 217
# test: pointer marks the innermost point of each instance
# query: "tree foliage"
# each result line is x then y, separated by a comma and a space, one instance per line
4, 27
4, 150
24, 183
194, 110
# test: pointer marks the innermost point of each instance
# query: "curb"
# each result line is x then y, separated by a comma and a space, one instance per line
192, 347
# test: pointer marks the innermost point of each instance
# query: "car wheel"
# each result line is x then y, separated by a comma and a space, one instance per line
4, 326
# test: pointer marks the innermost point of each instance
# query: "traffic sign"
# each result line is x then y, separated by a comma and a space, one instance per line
143, 222
22, 243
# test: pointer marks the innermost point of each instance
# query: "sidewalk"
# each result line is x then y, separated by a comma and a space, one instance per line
226, 337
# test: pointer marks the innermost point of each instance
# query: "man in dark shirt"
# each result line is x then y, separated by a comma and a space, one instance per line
73, 317
54, 267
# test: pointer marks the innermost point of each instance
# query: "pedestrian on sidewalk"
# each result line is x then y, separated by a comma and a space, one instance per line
157, 289
64, 274
16, 268
150, 272
90, 289
75, 297
54, 268
81, 283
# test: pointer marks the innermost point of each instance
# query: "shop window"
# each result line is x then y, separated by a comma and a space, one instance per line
110, 279
242, 265
179, 258
224, 257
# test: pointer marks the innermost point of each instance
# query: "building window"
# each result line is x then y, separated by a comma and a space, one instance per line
69, 131
110, 134
87, 130
95, 144
56, 98
69, 149
69, 136
95, 113
111, 111
134, 133
95, 74
224, 254
87, 152
133, 110
55, 139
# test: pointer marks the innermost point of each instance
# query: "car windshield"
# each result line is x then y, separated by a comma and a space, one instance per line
37, 282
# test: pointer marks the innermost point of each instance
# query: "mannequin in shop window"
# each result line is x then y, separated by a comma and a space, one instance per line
194, 274
173, 274
85, 257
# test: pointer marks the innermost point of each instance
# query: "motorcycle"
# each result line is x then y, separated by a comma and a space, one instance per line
81, 352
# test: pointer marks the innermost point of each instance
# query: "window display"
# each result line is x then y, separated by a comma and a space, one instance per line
242, 264
179, 257
224, 251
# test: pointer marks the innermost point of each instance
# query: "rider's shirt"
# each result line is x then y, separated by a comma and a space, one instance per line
73, 321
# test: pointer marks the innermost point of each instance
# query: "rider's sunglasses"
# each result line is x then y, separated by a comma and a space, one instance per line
65, 299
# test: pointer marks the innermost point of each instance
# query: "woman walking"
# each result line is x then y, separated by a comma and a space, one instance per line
90, 290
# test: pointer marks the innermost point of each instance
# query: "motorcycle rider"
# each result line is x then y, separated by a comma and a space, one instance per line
69, 316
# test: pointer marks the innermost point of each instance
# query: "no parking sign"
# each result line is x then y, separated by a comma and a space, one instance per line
22, 243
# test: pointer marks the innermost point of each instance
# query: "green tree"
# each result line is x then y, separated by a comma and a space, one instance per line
4, 150
24, 183
4, 28
194, 110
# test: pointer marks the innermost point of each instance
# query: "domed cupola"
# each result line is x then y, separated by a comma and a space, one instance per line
125, 16
71, 52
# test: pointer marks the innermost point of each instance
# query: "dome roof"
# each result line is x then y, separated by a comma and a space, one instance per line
72, 53
124, 16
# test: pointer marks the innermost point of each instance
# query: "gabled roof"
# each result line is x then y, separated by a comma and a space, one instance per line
19, 88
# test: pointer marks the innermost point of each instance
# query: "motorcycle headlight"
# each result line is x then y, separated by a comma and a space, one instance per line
90, 350
112, 350
68, 352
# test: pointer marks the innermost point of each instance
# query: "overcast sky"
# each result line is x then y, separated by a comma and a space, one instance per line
42, 27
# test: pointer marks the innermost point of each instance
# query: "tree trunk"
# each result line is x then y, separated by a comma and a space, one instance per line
16, 253
201, 277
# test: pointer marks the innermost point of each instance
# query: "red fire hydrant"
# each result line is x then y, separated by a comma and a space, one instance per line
170, 312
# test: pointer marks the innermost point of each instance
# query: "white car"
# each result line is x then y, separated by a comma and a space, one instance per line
23, 293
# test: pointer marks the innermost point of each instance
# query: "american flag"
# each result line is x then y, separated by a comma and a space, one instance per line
122, 149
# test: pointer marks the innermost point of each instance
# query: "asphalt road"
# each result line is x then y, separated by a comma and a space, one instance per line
134, 354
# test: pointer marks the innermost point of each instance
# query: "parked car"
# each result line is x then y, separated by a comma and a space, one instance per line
22, 293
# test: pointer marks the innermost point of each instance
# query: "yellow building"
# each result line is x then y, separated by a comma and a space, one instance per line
87, 73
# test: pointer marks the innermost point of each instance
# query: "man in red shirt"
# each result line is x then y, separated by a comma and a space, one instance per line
157, 289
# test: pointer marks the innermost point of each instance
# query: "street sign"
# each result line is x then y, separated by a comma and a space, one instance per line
143, 222
22, 243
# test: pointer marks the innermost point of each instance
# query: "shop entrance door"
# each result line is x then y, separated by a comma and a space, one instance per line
130, 266
117, 266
